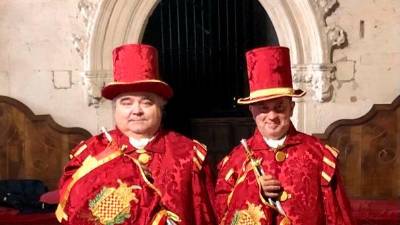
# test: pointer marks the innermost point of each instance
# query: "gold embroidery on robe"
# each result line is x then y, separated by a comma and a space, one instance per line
112, 205
250, 216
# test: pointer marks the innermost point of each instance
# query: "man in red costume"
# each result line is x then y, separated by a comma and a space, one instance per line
279, 175
137, 173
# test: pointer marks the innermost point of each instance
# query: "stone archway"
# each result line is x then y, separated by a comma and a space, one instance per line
300, 25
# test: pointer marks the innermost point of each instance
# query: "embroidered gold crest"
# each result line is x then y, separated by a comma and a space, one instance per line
250, 216
112, 205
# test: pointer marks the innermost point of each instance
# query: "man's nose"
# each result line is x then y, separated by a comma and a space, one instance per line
136, 109
272, 115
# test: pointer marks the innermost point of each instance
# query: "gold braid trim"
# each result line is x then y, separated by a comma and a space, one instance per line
164, 213
241, 178
142, 173
89, 164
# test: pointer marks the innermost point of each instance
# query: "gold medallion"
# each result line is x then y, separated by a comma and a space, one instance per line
280, 156
144, 158
284, 196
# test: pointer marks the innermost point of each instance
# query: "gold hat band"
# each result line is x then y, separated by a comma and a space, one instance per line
271, 91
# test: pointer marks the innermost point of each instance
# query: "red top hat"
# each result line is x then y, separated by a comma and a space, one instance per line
136, 70
269, 75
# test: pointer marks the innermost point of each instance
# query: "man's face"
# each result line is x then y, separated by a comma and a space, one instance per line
273, 116
138, 114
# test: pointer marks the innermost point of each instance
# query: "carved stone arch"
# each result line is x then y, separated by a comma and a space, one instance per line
300, 25
114, 23
117, 22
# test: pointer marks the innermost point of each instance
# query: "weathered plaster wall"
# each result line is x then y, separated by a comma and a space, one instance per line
38, 63
368, 67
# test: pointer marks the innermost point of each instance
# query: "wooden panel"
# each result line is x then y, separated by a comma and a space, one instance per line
33, 147
221, 134
370, 152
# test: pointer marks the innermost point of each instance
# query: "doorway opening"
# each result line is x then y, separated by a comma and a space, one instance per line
202, 45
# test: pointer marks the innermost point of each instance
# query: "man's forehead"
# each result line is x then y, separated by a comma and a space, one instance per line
274, 101
136, 95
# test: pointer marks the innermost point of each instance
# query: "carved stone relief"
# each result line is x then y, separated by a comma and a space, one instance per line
336, 36
325, 5
94, 81
79, 44
319, 77
87, 10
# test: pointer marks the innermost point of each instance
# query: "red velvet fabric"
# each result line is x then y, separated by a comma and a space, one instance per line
121, 169
182, 185
50, 197
365, 212
10, 216
376, 212
136, 69
269, 67
135, 62
269, 74
312, 202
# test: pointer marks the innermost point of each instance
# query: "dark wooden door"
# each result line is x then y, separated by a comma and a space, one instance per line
201, 47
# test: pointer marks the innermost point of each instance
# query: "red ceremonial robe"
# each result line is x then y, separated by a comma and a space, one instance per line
176, 169
313, 194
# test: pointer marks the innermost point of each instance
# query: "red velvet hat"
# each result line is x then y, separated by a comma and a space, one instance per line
269, 75
136, 70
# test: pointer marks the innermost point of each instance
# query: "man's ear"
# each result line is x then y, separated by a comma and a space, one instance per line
251, 108
292, 104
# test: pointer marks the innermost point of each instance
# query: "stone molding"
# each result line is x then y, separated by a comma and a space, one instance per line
336, 36
325, 6
93, 82
87, 10
317, 77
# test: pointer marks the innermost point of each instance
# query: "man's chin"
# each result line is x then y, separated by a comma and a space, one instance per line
137, 122
273, 130
137, 130
273, 134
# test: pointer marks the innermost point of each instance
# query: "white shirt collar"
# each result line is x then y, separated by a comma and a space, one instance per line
274, 143
140, 143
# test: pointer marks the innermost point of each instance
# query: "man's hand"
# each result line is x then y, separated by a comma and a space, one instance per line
271, 187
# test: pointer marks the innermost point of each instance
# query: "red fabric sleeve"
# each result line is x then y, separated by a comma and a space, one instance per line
223, 188
71, 167
336, 204
203, 196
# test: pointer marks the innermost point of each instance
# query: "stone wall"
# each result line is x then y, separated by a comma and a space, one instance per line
38, 62
368, 66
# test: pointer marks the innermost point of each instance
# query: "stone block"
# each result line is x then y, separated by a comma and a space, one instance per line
62, 79
345, 70
4, 83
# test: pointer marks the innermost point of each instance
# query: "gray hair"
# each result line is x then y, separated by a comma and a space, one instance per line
158, 100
